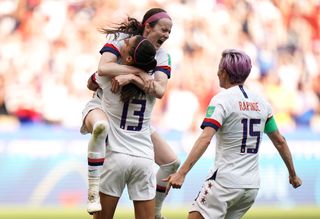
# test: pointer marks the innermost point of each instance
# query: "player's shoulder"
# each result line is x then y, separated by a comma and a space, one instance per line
256, 96
123, 36
221, 97
163, 58
162, 53
117, 37
224, 93
116, 40
233, 93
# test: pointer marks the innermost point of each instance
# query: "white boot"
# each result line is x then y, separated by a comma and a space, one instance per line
93, 204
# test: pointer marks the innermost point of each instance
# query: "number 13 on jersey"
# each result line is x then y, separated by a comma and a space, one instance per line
137, 113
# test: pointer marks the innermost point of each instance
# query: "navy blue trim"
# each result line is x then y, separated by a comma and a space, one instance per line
161, 189
243, 91
111, 50
98, 95
206, 124
106, 141
213, 177
165, 71
95, 164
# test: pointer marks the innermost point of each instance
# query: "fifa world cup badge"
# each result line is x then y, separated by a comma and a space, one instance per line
210, 111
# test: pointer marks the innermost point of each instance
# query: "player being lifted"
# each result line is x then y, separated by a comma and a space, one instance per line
156, 27
129, 150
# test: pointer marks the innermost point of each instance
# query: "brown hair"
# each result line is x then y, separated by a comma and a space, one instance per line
132, 26
143, 53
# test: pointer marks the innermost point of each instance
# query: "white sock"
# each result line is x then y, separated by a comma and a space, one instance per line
95, 164
163, 172
96, 153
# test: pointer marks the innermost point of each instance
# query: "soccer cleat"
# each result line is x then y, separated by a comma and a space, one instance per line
93, 204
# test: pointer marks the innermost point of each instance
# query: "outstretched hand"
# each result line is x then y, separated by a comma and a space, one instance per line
295, 181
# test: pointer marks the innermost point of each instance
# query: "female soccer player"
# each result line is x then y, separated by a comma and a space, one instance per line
129, 153
156, 27
238, 117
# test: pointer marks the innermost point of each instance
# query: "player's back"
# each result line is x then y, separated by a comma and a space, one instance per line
129, 122
238, 139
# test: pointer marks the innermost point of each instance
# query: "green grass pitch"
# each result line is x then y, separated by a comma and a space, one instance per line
179, 213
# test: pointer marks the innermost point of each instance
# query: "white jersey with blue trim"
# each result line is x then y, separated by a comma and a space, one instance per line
163, 58
163, 62
239, 116
129, 122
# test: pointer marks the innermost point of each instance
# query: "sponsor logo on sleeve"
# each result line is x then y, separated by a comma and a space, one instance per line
210, 111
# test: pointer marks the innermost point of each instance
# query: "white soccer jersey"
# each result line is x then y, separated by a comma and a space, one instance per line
239, 116
163, 62
129, 122
162, 57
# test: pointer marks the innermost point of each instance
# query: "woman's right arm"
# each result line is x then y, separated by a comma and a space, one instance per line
155, 88
108, 66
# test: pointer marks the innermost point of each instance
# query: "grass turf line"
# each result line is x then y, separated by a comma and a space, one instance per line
177, 213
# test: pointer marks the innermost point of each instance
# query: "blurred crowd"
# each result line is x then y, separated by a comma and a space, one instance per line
49, 48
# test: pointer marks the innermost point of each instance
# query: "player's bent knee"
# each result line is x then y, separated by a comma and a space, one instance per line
100, 128
171, 167
176, 164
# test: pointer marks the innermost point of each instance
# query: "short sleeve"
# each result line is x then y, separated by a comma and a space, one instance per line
113, 46
215, 114
163, 62
271, 124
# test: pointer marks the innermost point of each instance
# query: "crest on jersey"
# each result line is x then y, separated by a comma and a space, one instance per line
210, 111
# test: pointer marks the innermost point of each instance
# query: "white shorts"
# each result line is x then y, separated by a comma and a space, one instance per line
216, 201
94, 103
137, 173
